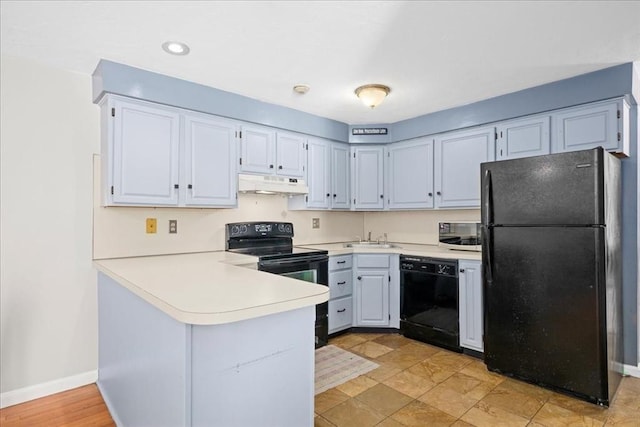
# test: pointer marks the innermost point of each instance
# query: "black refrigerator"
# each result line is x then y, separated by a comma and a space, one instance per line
552, 271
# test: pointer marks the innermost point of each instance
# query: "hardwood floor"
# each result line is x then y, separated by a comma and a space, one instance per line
82, 406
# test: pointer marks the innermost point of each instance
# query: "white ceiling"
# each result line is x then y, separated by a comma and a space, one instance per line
433, 55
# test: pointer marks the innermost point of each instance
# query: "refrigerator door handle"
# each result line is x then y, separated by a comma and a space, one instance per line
487, 203
487, 224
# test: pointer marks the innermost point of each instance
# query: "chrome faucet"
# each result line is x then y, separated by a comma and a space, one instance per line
359, 239
385, 238
369, 239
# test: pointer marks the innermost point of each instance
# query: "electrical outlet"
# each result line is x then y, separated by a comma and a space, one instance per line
152, 225
173, 226
315, 222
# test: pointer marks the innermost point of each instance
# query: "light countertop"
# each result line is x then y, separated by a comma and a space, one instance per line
211, 288
434, 251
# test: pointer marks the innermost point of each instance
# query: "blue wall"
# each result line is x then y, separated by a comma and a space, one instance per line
613, 82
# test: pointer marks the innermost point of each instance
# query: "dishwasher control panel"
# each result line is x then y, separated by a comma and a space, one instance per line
429, 265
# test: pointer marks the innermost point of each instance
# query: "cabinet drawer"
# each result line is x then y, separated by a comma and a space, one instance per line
372, 261
340, 314
340, 262
340, 283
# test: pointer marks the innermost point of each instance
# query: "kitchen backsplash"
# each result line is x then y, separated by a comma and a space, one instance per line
120, 231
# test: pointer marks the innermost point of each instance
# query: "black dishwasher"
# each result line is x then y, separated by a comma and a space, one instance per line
429, 301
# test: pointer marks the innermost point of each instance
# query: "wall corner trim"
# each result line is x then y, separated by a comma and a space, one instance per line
37, 391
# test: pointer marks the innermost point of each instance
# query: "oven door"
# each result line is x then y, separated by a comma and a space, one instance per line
310, 268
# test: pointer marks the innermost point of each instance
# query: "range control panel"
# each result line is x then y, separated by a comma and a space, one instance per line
259, 229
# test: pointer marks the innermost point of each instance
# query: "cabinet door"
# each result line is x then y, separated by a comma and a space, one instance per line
290, 154
523, 138
257, 150
587, 127
457, 166
145, 151
340, 177
368, 177
210, 161
470, 298
318, 174
410, 175
372, 298
340, 314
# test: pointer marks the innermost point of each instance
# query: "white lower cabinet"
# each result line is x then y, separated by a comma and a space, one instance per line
372, 281
470, 302
340, 293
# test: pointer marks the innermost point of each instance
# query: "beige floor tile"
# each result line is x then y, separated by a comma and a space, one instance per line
328, 399
461, 423
367, 336
421, 351
400, 359
523, 404
483, 415
432, 371
393, 340
383, 371
318, 421
390, 422
448, 400
478, 369
384, 399
627, 397
451, 360
346, 341
353, 413
357, 385
420, 414
551, 415
539, 393
631, 384
581, 407
370, 349
409, 384
621, 416
468, 385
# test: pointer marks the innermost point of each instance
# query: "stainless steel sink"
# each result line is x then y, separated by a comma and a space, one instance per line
371, 245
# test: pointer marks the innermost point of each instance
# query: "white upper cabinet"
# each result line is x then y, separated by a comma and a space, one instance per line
210, 154
147, 160
603, 124
368, 177
290, 154
318, 174
258, 150
140, 153
340, 176
523, 138
410, 174
457, 166
267, 152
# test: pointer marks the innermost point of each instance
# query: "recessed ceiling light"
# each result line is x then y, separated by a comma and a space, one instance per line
301, 89
175, 48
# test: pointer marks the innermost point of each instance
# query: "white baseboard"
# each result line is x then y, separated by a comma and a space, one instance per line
21, 395
634, 371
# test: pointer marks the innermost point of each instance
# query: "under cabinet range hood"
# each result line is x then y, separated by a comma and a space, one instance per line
264, 184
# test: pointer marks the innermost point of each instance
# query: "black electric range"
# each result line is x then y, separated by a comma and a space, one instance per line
272, 243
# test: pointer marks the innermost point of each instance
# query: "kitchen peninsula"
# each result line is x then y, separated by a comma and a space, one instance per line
199, 339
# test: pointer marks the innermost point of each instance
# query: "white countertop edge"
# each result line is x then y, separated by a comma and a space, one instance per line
415, 249
311, 298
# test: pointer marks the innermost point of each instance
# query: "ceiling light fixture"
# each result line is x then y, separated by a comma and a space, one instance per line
301, 89
372, 95
175, 48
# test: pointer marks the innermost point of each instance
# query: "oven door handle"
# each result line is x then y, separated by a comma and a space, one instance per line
294, 260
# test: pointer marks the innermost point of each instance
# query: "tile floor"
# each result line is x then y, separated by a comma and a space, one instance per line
422, 385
